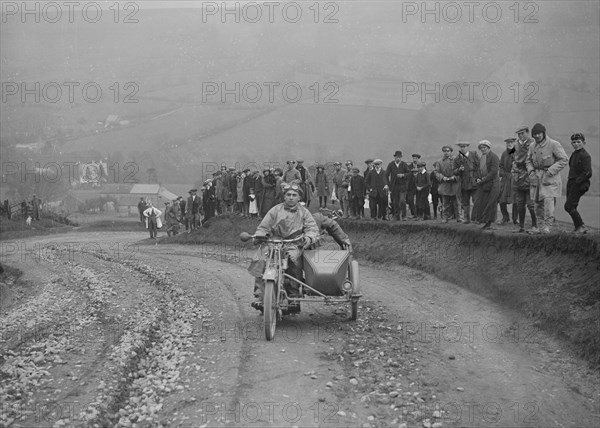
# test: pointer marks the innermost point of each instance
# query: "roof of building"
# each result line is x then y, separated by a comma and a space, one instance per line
116, 188
166, 194
145, 189
179, 189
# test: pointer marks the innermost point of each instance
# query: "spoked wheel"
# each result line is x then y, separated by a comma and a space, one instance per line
270, 308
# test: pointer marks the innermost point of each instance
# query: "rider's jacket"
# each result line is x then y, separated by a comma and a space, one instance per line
285, 223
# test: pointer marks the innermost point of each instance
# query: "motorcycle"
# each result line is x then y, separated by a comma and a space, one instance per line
330, 276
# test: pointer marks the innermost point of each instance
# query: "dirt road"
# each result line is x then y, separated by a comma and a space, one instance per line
108, 329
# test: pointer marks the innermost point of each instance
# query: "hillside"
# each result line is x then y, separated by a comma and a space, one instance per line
368, 58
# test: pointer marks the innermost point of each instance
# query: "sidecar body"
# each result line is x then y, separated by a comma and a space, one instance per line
331, 272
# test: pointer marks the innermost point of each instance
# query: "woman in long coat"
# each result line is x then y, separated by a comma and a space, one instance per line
268, 192
489, 184
506, 182
322, 186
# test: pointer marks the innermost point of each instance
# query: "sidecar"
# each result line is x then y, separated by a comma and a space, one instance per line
331, 276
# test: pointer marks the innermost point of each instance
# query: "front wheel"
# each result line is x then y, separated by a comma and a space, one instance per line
270, 309
355, 280
354, 314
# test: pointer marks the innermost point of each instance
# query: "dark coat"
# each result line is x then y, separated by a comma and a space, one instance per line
580, 168
486, 205
434, 183
423, 180
357, 187
398, 184
491, 179
193, 205
376, 183
468, 177
506, 179
322, 184
267, 201
248, 184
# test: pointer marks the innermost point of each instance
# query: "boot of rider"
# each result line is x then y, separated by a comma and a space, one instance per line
294, 271
259, 289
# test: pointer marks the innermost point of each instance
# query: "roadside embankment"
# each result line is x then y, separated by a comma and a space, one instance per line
552, 279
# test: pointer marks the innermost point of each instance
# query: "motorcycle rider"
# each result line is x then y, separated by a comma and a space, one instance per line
286, 221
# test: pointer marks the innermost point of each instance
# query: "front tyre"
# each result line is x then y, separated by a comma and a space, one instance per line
354, 308
270, 308
355, 279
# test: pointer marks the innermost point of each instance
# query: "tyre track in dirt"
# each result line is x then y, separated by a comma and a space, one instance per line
67, 338
104, 382
260, 393
201, 358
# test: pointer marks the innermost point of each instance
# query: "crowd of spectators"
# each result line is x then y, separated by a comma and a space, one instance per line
465, 186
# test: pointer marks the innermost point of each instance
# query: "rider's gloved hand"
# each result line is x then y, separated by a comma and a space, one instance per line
257, 240
306, 242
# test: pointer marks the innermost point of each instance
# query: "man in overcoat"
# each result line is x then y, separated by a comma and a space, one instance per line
466, 168
398, 175
377, 186
545, 159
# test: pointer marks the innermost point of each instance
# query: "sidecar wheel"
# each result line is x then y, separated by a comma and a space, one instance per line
270, 308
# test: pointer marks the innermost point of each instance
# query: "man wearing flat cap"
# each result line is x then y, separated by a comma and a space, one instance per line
411, 193
306, 183
580, 172
398, 175
448, 186
193, 209
521, 179
369, 168
377, 186
466, 168
545, 159
488, 185
338, 180
226, 196
357, 194
506, 182
291, 175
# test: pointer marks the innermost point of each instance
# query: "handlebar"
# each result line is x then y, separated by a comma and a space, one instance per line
245, 236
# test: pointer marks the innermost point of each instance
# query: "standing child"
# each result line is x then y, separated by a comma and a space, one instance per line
253, 207
580, 172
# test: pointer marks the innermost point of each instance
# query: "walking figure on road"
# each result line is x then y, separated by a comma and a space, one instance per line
153, 221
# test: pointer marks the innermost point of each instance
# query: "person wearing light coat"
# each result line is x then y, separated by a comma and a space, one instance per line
545, 159
153, 221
